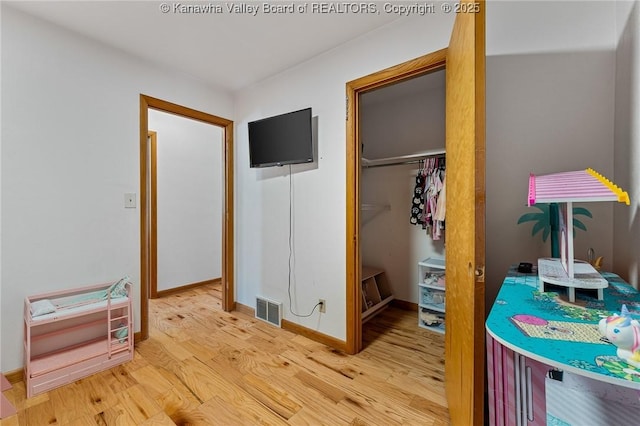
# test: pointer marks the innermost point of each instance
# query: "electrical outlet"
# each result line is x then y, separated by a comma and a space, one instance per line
323, 305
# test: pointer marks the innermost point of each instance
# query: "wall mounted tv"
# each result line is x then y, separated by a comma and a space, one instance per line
282, 139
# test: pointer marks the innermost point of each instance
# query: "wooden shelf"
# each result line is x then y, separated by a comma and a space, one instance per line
370, 211
376, 292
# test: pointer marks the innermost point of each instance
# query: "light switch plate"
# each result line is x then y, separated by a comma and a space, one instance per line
130, 200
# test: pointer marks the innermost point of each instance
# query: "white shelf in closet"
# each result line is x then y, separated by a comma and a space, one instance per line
434, 263
370, 211
431, 294
375, 207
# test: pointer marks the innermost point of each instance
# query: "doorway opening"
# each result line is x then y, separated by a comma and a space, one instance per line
186, 204
147, 222
403, 72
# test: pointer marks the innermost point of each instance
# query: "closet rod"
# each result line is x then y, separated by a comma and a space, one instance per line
402, 159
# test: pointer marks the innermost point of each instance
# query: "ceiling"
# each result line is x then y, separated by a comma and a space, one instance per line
228, 50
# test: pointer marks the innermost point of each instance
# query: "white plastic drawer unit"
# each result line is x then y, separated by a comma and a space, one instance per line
432, 294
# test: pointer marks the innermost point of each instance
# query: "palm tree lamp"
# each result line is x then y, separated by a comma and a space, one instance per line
554, 195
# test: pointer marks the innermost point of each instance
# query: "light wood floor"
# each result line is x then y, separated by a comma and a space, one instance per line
202, 366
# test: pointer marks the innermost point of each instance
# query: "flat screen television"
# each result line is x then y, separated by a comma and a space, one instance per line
282, 139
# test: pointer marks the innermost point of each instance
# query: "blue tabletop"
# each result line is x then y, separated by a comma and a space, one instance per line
545, 326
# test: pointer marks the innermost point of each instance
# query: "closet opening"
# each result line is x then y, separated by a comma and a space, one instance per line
403, 202
397, 134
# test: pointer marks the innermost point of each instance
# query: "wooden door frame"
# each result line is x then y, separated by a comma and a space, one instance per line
153, 215
228, 291
428, 63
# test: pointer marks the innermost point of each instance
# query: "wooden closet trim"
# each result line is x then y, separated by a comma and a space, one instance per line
425, 64
153, 217
228, 291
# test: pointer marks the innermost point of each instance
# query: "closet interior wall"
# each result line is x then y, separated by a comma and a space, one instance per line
404, 119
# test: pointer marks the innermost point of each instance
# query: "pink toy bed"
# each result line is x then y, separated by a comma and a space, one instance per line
72, 334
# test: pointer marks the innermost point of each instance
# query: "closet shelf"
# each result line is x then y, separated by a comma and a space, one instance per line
376, 207
400, 159
373, 210
376, 292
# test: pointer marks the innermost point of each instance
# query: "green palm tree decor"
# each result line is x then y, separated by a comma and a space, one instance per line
546, 221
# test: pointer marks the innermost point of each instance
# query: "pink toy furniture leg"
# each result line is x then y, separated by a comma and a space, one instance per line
6, 408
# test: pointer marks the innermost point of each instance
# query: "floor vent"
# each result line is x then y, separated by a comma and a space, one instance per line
269, 311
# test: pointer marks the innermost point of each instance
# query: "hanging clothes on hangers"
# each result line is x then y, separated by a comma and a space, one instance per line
417, 202
435, 185
439, 200
428, 204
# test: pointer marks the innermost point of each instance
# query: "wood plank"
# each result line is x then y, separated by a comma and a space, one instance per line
40, 414
70, 402
202, 381
99, 396
160, 419
151, 379
333, 393
237, 414
432, 408
177, 401
116, 416
138, 404
391, 404
271, 396
17, 396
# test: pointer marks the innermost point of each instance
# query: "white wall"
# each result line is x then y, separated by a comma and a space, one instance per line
405, 118
410, 123
387, 239
319, 189
189, 200
70, 151
627, 141
550, 108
